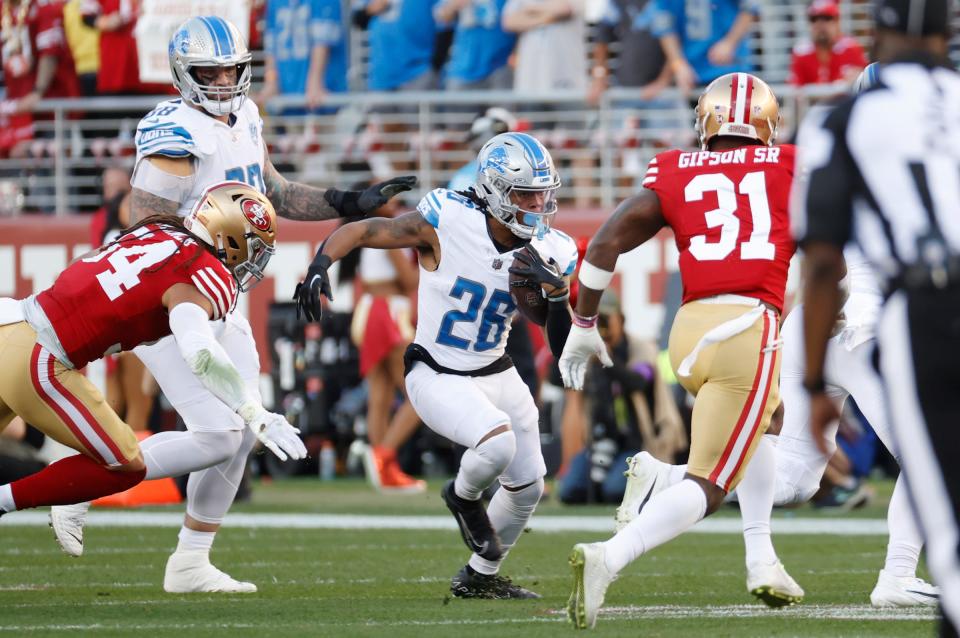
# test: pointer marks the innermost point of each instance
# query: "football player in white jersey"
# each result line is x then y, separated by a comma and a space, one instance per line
458, 378
792, 473
211, 133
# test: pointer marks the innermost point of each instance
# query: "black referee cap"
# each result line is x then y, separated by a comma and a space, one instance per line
913, 17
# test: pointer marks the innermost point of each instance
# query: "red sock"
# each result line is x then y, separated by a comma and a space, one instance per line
74, 479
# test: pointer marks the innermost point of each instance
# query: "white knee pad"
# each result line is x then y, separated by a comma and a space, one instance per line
498, 451
482, 465
218, 445
210, 491
527, 496
178, 453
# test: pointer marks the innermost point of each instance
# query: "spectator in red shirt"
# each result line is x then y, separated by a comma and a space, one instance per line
36, 64
829, 56
119, 63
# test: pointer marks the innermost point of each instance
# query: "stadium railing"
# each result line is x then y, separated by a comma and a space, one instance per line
602, 152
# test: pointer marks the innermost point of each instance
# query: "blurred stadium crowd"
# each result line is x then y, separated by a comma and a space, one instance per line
352, 91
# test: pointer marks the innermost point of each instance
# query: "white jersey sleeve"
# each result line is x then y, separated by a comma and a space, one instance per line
220, 151
173, 129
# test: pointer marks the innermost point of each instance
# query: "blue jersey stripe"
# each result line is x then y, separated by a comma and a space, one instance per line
213, 34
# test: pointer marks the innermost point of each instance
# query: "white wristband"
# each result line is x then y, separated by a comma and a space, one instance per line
593, 277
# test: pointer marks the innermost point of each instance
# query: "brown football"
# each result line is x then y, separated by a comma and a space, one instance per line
529, 299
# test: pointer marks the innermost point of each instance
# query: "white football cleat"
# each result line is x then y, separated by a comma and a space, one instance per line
67, 522
903, 591
191, 571
645, 477
773, 585
590, 582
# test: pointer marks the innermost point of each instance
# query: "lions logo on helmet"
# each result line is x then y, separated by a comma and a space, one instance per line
518, 183
209, 41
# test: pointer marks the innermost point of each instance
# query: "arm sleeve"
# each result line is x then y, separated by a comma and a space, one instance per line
206, 357
825, 178
558, 325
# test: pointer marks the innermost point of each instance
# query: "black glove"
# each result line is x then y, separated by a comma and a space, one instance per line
530, 265
356, 203
316, 283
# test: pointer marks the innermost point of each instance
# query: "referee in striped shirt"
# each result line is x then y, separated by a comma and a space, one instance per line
882, 169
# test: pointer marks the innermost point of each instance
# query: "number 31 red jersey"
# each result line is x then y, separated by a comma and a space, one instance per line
112, 301
729, 215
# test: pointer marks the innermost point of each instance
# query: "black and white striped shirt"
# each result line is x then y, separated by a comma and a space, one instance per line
883, 169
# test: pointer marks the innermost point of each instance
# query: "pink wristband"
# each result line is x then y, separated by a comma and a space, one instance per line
584, 322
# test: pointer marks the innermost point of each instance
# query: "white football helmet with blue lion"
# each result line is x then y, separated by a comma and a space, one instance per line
518, 182
209, 41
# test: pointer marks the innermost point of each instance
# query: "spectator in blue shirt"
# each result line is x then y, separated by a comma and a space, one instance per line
306, 50
481, 48
704, 39
401, 35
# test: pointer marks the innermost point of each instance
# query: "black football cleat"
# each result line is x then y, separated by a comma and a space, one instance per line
469, 583
475, 527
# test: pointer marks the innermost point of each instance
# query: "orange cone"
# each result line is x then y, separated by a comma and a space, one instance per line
156, 492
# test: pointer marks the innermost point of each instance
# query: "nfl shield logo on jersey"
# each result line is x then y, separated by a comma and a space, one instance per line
255, 214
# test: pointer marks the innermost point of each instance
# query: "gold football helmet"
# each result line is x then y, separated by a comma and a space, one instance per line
241, 225
738, 104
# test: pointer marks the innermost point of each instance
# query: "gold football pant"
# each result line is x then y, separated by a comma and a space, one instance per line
57, 400
729, 354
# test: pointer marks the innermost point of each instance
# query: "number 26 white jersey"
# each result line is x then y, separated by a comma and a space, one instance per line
464, 309
221, 151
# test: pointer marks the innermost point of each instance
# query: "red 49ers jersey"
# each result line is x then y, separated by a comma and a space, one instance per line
729, 215
112, 301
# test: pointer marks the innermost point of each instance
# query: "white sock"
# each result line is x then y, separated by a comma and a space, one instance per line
677, 472
192, 540
6, 499
667, 515
903, 548
509, 512
755, 493
480, 466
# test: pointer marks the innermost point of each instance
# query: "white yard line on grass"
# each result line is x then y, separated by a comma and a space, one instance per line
129, 518
860, 613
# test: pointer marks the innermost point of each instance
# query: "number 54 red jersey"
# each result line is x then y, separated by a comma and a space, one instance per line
112, 301
729, 215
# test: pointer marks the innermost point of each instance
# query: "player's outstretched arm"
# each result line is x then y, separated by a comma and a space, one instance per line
293, 200
636, 220
406, 231
190, 313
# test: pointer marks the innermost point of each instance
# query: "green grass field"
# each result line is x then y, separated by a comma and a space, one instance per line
390, 582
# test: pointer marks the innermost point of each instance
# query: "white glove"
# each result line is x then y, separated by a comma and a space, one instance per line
273, 430
582, 343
